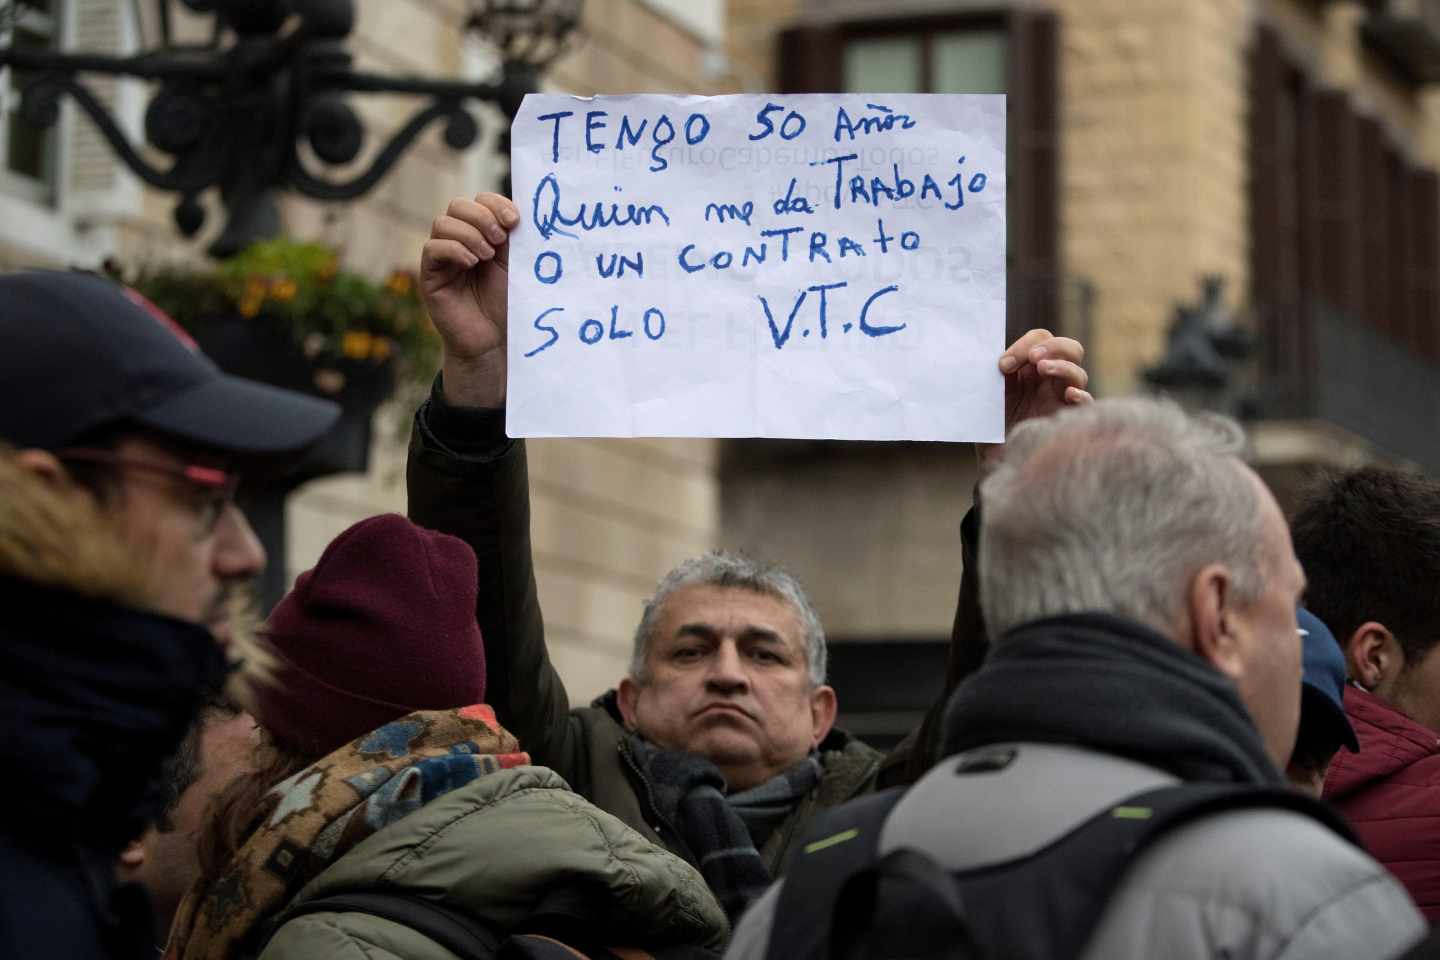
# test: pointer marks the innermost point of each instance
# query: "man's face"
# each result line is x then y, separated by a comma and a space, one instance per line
166, 863
1415, 690
728, 678
1267, 638
198, 554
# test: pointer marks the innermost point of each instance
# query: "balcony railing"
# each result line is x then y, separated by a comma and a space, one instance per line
1318, 363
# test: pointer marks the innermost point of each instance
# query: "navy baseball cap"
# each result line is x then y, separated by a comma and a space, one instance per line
1323, 689
79, 352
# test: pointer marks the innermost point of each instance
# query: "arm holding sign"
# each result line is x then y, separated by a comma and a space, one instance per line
1043, 374
466, 478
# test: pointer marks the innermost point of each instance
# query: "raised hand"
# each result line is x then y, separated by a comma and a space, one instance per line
1042, 375
464, 276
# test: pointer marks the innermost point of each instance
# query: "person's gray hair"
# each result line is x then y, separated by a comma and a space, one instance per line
1114, 507
721, 568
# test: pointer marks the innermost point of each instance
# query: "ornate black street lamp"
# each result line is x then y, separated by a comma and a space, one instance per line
254, 111
529, 34
236, 113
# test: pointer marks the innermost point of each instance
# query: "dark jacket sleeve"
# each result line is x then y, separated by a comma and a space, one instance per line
968, 646
969, 642
464, 477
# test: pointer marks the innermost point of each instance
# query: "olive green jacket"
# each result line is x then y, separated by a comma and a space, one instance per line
494, 849
479, 491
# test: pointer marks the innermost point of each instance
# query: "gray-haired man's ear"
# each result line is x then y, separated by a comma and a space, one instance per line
1209, 634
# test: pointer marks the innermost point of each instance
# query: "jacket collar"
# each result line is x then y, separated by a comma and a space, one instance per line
1389, 742
94, 697
1112, 685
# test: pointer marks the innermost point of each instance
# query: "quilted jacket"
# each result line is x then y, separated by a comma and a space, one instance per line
1390, 792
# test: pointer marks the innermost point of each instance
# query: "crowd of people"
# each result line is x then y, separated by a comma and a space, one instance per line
1145, 746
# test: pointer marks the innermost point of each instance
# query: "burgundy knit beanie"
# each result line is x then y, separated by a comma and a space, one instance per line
383, 626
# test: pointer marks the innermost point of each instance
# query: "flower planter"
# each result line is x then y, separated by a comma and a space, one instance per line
255, 349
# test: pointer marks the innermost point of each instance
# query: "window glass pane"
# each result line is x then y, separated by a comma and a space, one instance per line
27, 150
889, 65
970, 62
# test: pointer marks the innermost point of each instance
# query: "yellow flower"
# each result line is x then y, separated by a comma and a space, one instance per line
284, 290
381, 348
250, 306
255, 289
399, 283
356, 344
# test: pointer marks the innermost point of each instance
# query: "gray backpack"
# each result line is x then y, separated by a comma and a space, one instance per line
843, 898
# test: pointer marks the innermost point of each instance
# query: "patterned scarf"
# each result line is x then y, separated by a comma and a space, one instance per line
323, 811
765, 807
690, 793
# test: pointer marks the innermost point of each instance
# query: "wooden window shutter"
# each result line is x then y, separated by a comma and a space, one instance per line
1424, 285
1374, 227
1395, 271
1304, 167
811, 59
95, 27
1336, 199
1033, 212
1266, 173
1269, 290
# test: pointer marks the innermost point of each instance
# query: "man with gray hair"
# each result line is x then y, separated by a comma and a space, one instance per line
719, 743
1141, 587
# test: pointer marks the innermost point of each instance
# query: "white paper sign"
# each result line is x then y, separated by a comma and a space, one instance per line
813, 266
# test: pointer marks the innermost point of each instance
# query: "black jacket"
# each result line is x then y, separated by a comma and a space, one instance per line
466, 478
474, 484
94, 697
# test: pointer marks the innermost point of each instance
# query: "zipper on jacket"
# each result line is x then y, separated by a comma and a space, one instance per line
662, 826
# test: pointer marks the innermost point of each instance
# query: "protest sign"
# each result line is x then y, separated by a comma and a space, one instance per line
810, 266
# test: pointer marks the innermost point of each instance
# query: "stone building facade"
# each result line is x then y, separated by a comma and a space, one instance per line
1286, 147
609, 517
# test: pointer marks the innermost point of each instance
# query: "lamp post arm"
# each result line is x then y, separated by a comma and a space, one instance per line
146, 66
40, 105
361, 82
459, 134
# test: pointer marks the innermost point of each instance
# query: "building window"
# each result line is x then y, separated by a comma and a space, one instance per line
29, 153
1341, 223
1013, 52
949, 61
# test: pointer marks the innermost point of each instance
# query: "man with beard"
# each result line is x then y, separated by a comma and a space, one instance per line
121, 447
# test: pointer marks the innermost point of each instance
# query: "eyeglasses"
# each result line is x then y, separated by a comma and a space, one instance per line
215, 488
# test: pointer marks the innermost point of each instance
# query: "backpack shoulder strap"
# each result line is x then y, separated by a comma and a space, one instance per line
1071, 881
457, 932
833, 883
829, 898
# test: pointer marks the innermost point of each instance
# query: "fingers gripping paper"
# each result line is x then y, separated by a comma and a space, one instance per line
758, 266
